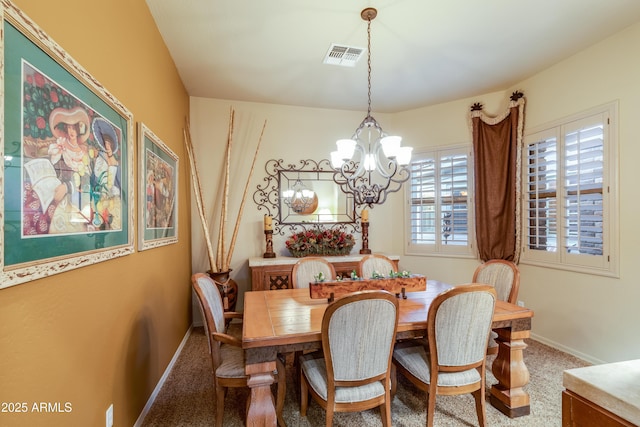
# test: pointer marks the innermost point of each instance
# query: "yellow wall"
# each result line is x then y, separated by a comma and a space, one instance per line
104, 333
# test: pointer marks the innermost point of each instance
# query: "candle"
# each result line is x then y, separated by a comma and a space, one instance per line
365, 215
267, 223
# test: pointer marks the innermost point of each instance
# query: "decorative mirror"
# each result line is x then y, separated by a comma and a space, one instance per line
305, 196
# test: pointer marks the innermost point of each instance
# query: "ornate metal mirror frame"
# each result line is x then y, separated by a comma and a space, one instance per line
331, 208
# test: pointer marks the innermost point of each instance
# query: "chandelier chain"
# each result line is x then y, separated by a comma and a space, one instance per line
369, 65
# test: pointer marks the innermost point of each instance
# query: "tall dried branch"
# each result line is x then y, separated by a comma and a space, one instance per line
198, 193
244, 197
225, 199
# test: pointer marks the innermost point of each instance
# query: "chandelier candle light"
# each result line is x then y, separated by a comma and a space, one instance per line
381, 164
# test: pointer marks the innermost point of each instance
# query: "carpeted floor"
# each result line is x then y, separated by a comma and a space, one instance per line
186, 398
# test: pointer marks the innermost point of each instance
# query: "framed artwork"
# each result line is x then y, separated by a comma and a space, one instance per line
158, 191
66, 185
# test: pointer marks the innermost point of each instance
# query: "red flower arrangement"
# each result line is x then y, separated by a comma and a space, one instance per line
320, 242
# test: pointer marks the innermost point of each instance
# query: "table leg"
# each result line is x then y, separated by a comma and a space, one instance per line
261, 412
512, 374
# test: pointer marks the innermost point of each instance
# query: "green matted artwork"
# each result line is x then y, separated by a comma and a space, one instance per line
66, 186
158, 191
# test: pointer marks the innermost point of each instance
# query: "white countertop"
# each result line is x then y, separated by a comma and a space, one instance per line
613, 386
287, 260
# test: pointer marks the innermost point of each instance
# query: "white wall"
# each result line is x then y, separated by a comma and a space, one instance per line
291, 134
590, 316
593, 315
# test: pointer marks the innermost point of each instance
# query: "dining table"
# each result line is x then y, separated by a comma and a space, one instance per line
289, 320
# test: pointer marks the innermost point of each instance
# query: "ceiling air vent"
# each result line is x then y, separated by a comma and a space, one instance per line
345, 56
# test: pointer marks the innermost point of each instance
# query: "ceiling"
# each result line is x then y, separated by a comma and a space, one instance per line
423, 52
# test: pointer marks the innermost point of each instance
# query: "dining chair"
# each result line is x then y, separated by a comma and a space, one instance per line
225, 347
505, 277
375, 262
307, 269
353, 371
453, 360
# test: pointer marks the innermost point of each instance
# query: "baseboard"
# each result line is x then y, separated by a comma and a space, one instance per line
568, 350
164, 377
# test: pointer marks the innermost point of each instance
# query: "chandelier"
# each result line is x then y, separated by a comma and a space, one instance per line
371, 164
300, 198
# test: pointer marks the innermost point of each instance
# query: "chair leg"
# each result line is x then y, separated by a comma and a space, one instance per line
329, 422
297, 367
479, 396
394, 380
220, 392
282, 390
385, 411
304, 395
431, 405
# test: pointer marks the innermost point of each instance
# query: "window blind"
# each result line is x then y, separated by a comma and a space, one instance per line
542, 207
438, 199
423, 204
583, 192
453, 199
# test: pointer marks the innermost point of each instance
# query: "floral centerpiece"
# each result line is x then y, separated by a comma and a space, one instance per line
320, 242
392, 275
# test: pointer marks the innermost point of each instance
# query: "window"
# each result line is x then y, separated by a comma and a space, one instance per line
439, 202
569, 215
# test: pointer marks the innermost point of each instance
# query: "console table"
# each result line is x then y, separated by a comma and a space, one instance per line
602, 395
274, 273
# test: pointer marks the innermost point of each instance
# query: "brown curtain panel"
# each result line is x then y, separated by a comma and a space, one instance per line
497, 143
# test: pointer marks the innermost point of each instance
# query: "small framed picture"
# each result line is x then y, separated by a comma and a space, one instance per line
158, 191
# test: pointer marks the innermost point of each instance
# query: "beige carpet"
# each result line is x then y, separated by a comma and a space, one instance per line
186, 398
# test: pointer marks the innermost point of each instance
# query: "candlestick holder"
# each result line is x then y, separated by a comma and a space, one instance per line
268, 236
365, 238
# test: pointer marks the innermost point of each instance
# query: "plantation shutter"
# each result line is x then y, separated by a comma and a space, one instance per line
583, 187
541, 211
423, 203
453, 197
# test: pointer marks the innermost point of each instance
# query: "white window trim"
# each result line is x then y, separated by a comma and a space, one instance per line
438, 250
610, 266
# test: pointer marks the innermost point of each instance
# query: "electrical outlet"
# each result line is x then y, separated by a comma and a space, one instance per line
521, 303
109, 416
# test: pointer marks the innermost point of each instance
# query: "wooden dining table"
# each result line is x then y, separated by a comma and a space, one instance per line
289, 320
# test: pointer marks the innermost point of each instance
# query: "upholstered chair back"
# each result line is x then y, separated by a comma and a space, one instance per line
501, 274
212, 312
306, 269
462, 325
375, 262
360, 338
